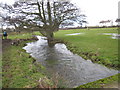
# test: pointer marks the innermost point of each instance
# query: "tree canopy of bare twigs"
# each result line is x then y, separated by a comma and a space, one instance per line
47, 15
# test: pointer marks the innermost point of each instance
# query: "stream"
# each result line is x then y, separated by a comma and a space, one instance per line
71, 67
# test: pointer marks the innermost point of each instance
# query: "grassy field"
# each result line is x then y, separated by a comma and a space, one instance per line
22, 35
91, 44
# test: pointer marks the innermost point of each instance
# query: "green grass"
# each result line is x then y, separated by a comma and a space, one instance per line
92, 45
18, 69
22, 35
100, 83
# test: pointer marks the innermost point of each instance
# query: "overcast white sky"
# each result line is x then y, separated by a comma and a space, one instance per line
95, 10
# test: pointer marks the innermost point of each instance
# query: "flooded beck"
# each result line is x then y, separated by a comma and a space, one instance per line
71, 67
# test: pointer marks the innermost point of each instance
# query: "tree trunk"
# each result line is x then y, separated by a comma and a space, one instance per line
50, 39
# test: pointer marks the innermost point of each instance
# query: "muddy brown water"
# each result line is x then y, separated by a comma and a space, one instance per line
71, 67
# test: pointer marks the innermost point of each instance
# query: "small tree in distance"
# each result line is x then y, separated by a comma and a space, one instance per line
47, 15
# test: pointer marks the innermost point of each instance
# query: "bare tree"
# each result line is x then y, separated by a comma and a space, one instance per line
10, 18
47, 15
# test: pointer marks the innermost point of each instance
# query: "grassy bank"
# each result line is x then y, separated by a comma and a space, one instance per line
91, 44
102, 83
19, 71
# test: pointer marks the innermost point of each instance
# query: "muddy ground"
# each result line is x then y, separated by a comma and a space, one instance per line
6, 43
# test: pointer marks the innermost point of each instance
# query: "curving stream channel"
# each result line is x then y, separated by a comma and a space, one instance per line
71, 67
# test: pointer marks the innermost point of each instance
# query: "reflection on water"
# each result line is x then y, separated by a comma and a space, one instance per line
58, 59
114, 35
74, 34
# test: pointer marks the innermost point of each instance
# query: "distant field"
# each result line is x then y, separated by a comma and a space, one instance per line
92, 41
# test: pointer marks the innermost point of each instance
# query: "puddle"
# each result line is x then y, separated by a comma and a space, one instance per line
71, 67
114, 35
74, 34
